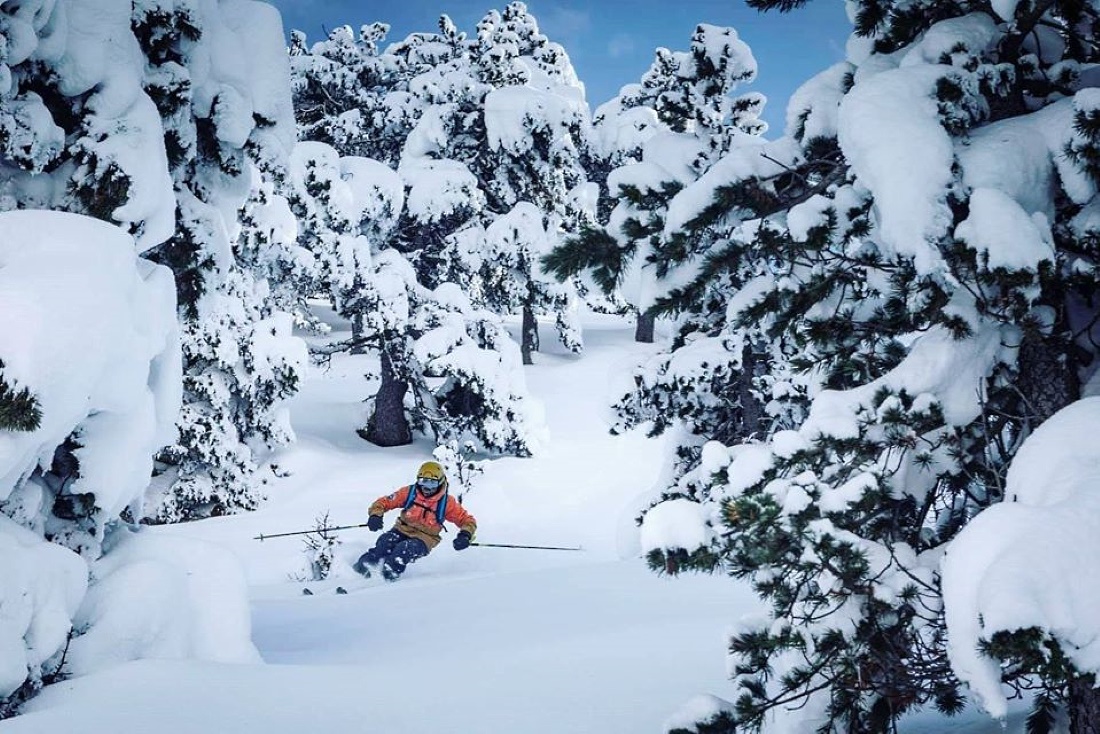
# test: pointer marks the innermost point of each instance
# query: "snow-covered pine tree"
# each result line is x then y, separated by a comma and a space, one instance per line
353, 96
905, 287
77, 446
221, 120
470, 387
138, 120
617, 139
268, 246
504, 122
664, 132
448, 369
348, 207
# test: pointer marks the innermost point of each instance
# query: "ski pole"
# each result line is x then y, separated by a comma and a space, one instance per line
535, 547
261, 536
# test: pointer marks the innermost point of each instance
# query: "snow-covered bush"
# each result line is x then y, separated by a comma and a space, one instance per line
160, 596
89, 330
41, 587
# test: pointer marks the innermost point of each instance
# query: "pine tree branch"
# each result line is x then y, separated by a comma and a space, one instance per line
1024, 27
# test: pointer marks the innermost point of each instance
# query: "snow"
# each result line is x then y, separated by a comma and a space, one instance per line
521, 640
937, 364
1022, 156
1001, 230
42, 586
71, 285
807, 215
751, 462
533, 641
163, 597
815, 106
618, 130
438, 188
544, 651
514, 632
889, 123
700, 708
237, 70
1005, 9
754, 158
676, 523
512, 113
970, 36
1028, 562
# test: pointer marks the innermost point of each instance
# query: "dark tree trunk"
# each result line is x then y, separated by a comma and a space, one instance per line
530, 341
752, 412
388, 425
1084, 706
643, 330
357, 346
1048, 381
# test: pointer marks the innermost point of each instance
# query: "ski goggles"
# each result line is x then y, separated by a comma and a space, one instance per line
428, 484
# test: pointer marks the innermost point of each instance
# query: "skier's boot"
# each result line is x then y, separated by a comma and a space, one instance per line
390, 573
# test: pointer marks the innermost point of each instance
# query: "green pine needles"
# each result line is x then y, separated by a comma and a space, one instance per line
19, 408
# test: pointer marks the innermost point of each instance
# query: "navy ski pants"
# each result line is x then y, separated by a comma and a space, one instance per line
395, 550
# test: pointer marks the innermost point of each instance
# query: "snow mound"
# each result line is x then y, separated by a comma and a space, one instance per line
41, 585
1029, 562
158, 596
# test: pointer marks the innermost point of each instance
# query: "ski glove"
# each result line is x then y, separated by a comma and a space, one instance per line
462, 540
375, 522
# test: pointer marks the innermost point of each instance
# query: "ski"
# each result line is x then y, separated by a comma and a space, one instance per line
306, 591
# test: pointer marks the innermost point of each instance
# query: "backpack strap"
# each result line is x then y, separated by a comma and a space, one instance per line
440, 508
411, 499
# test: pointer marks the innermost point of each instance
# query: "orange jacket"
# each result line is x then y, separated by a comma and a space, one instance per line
419, 521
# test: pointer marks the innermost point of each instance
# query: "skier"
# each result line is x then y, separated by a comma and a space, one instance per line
424, 507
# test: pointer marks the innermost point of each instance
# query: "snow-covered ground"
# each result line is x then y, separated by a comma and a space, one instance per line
487, 640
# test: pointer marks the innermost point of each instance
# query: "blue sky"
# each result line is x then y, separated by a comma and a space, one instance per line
611, 43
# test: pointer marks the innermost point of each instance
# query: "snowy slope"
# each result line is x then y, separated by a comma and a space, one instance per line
487, 640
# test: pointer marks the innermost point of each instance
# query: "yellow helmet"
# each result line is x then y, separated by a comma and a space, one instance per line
430, 478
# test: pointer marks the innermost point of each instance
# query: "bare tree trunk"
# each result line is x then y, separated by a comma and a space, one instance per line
530, 340
643, 330
1084, 706
388, 425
